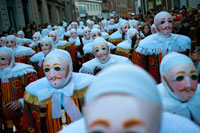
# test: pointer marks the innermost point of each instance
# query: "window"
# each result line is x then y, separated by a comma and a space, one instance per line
88, 7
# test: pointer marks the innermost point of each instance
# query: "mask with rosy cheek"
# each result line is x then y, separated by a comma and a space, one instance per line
90, 26
74, 35
11, 43
5, 59
182, 80
101, 52
20, 35
164, 24
52, 36
95, 35
86, 34
46, 46
125, 28
56, 70
122, 113
36, 38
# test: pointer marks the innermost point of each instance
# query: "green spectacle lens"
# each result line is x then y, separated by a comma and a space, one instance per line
179, 78
194, 77
97, 131
46, 69
96, 50
46, 44
170, 21
103, 48
162, 22
3, 58
57, 68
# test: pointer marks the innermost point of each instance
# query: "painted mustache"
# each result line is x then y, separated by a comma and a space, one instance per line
102, 55
167, 28
54, 78
187, 89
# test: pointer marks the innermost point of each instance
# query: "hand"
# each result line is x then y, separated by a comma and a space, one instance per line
14, 105
195, 55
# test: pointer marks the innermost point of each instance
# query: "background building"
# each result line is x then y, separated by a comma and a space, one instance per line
16, 13
88, 9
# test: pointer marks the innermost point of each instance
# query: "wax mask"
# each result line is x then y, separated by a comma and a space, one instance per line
5, 59
2, 41
10, 43
20, 35
136, 25
182, 79
73, 34
120, 113
86, 34
56, 70
90, 25
46, 46
101, 52
125, 28
53, 36
96, 34
73, 26
36, 38
164, 24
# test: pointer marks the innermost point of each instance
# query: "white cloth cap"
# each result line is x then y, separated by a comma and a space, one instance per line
128, 79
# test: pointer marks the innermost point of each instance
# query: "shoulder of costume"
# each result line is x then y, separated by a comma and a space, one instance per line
20, 69
67, 33
26, 40
21, 50
37, 57
149, 45
81, 80
120, 59
38, 85
182, 41
32, 99
111, 46
62, 43
89, 66
105, 35
88, 48
125, 45
33, 44
116, 35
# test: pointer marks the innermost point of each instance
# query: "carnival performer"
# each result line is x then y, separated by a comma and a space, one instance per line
127, 47
120, 35
46, 47
179, 89
102, 59
14, 78
2, 41
86, 36
26, 41
153, 48
21, 53
118, 101
60, 88
37, 37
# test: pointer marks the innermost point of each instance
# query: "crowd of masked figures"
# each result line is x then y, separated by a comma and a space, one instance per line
100, 78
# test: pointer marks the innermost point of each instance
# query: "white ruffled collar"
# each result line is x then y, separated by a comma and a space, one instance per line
21, 50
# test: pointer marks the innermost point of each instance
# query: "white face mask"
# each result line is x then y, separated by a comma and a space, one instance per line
36, 38
5, 60
164, 24
52, 36
101, 52
46, 46
20, 35
56, 71
120, 113
182, 80
10, 43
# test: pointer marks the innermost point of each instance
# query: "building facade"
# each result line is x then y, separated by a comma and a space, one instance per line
17, 13
88, 9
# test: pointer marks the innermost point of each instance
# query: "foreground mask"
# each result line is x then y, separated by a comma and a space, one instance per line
5, 60
182, 80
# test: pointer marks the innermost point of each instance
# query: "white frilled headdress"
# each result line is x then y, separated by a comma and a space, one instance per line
121, 23
45, 32
38, 34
